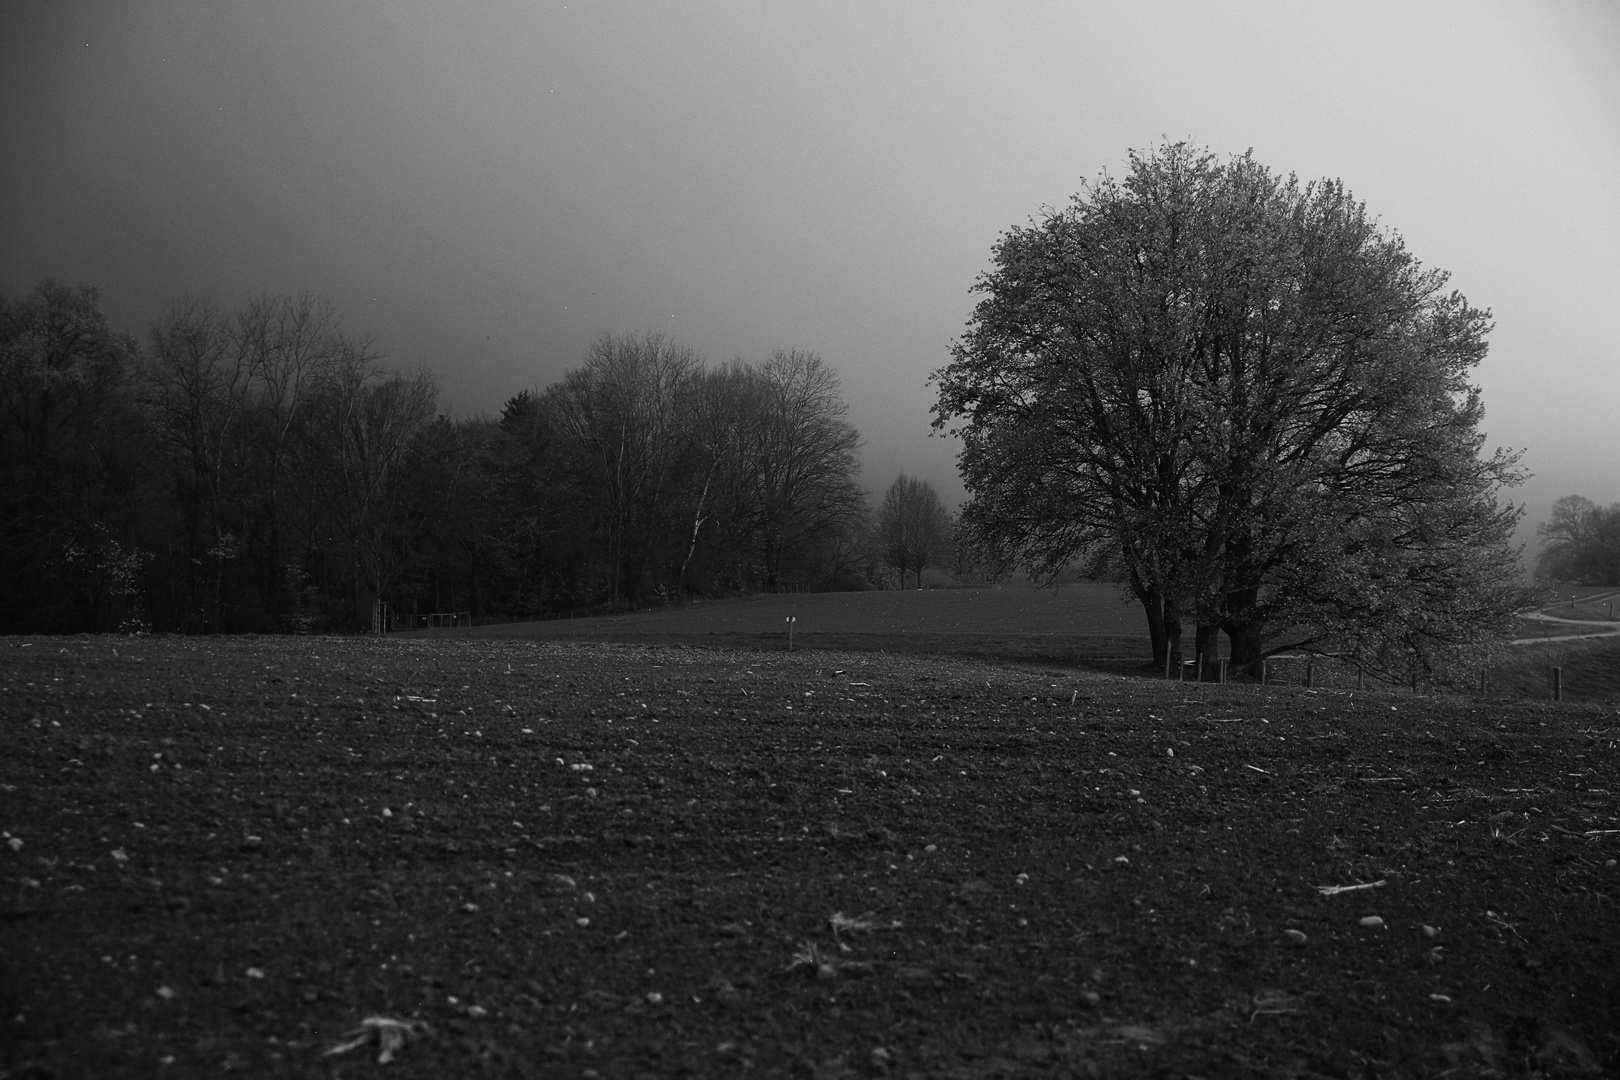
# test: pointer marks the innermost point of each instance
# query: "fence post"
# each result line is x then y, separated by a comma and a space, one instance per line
1310, 674
1482, 682
1558, 684
1223, 670
1198, 667
1167, 663
1361, 675
1262, 671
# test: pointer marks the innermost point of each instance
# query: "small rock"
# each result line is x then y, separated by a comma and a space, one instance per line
1090, 999
1295, 936
1429, 931
1372, 920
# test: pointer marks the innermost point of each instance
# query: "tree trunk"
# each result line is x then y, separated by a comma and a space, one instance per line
1247, 650
1208, 638
1152, 601
1172, 639
1243, 632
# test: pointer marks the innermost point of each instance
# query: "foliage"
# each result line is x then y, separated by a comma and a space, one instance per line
1580, 543
1251, 395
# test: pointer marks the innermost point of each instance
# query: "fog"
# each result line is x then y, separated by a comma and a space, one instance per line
486, 189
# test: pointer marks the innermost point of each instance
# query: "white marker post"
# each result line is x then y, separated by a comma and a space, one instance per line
790, 620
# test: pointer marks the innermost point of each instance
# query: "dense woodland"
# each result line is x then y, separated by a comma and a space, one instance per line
260, 470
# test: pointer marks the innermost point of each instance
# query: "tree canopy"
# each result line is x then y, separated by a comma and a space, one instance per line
1253, 398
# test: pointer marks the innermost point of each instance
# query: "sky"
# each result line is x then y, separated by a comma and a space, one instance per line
485, 188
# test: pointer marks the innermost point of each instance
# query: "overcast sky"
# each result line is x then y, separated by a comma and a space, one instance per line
485, 188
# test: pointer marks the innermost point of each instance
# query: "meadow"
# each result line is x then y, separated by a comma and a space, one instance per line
533, 856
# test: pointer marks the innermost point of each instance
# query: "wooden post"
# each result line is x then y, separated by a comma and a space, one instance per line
1558, 684
1167, 663
1361, 675
1198, 667
1262, 671
790, 620
1223, 670
1310, 674
1483, 685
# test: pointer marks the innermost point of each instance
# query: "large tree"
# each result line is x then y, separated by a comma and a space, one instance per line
1580, 543
1255, 398
795, 463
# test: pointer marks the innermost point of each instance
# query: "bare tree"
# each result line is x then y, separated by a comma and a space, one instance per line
195, 385
288, 344
1580, 543
366, 423
913, 530
623, 408
797, 459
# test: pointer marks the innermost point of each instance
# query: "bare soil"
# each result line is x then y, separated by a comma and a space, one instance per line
552, 858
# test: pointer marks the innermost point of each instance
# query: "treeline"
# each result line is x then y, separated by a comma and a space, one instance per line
259, 470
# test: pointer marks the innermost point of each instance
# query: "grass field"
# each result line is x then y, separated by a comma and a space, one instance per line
1087, 609
1085, 624
558, 858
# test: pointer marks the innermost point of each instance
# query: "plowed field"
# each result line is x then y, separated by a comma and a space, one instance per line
541, 858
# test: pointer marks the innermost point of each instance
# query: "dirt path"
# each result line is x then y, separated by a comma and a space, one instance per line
1542, 616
